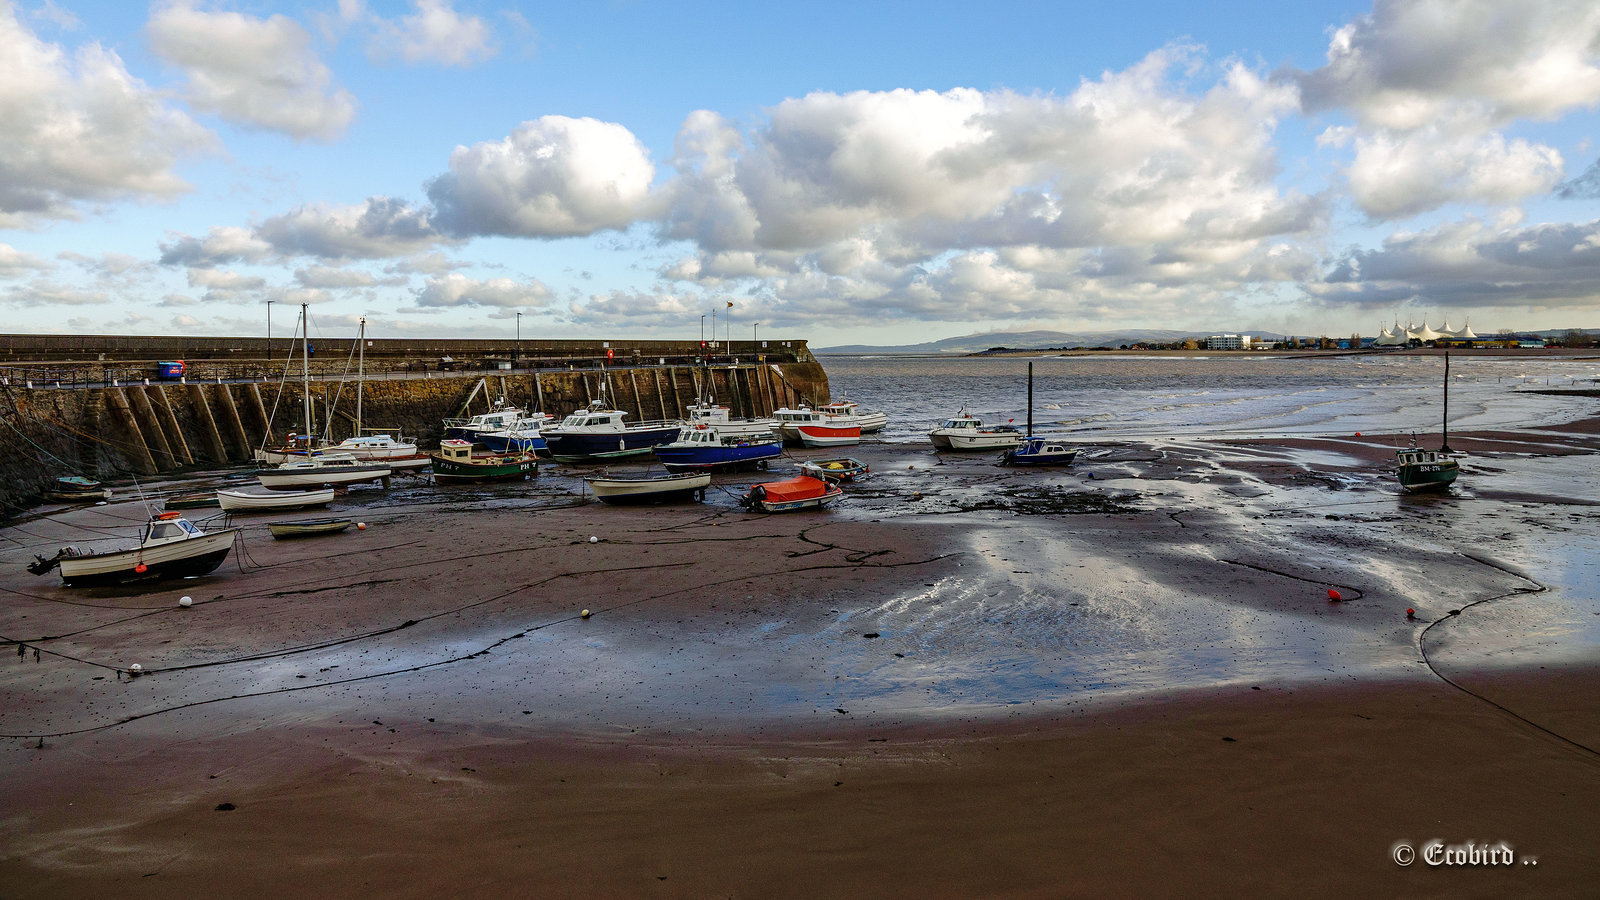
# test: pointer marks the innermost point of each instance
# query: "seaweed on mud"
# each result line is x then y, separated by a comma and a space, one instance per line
1041, 501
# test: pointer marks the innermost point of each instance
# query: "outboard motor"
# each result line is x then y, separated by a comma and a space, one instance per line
42, 565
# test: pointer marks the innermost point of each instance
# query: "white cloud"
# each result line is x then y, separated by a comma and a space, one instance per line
459, 290
80, 130
382, 227
14, 262
1472, 263
552, 177
39, 294
1395, 175
220, 246
434, 33
1410, 63
330, 277
260, 73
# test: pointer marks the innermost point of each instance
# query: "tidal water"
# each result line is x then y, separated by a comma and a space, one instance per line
1115, 396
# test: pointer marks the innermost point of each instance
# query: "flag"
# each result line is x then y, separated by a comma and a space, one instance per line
730, 304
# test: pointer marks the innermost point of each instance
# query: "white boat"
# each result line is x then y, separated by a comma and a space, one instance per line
375, 446
274, 500
501, 418
718, 419
651, 488
813, 429
847, 412
964, 431
170, 547
323, 469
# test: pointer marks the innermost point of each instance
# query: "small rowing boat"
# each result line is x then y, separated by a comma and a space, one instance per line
796, 493
307, 527
651, 488
273, 500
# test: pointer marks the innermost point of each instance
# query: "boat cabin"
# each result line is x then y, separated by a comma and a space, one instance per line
594, 418
1416, 456
455, 450
168, 527
802, 416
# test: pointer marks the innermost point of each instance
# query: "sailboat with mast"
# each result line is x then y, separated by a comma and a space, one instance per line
381, 446
318, 467
1430, 470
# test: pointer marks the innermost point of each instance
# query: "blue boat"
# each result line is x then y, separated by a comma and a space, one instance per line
597, 434
702, 448
522, 436
1040, 451
499, 419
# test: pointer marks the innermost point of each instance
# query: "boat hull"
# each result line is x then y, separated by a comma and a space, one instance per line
451, 471
245, 501
828, 435
1424, 477
307, 528
963, 443
315, 476
514, 442
724, 457
579, 446
204, 500
834, 469
182, 559
650, 490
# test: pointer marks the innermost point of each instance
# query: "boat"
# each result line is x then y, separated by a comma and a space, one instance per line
1421, 470
457, 463
522, 435
802, 492
375, 445
169, 547
1040, 451
234, 501
597, 433
651, 488
964, 431
77, 489
321, 468
842, 469
702, 447
198, 500
811, 428
501, 418
720, 420
307, 527
846, 412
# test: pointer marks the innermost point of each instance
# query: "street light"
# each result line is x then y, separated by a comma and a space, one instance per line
755, 345
269, 333
516, 358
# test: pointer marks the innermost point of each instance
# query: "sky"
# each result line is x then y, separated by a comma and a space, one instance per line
847, 173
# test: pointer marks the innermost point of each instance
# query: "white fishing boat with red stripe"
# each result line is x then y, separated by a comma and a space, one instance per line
813, 429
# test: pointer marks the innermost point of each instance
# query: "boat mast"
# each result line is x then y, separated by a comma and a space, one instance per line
305, 371
1030, 399
1444, 438
361, 369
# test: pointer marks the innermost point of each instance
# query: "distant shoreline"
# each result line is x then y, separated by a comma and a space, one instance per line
1307, 352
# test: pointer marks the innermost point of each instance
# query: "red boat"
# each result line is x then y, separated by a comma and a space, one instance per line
791, 494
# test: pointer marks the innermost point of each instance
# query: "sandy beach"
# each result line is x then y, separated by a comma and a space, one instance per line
1127, 677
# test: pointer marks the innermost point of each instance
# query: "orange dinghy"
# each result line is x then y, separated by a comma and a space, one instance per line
790, 494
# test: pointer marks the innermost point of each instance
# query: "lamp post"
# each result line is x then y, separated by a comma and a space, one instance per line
516, 358
755, 345
702, 329
269, 333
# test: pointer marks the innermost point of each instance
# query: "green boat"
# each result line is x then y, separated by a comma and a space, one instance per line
456, 463
1426, 470
198, 500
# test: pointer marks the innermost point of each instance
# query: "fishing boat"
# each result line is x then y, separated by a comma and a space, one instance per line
803, 492
320, 468
500, 418
702, 447
842, 469
848, 412
810, 428
237, 501
457, 463
651, 488
964, 431
197, 500
1040, 451
720, 420
1421, 470
169, 547
523, 435
598, 433
307, 528
77, 489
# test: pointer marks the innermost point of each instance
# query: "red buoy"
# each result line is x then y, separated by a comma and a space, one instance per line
1411, 614
1334, 595
140, 568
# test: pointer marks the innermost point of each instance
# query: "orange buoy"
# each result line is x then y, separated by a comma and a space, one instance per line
140, 568
1334, 595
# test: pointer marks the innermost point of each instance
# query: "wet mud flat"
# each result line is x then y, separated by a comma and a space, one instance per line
961, 664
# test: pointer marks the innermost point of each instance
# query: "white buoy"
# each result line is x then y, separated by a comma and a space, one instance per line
136, 668
185, 601
361, 526
593, 539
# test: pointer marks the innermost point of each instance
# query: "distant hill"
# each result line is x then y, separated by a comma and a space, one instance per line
1031, 340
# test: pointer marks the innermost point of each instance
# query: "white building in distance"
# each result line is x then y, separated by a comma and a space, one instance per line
1228, 342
